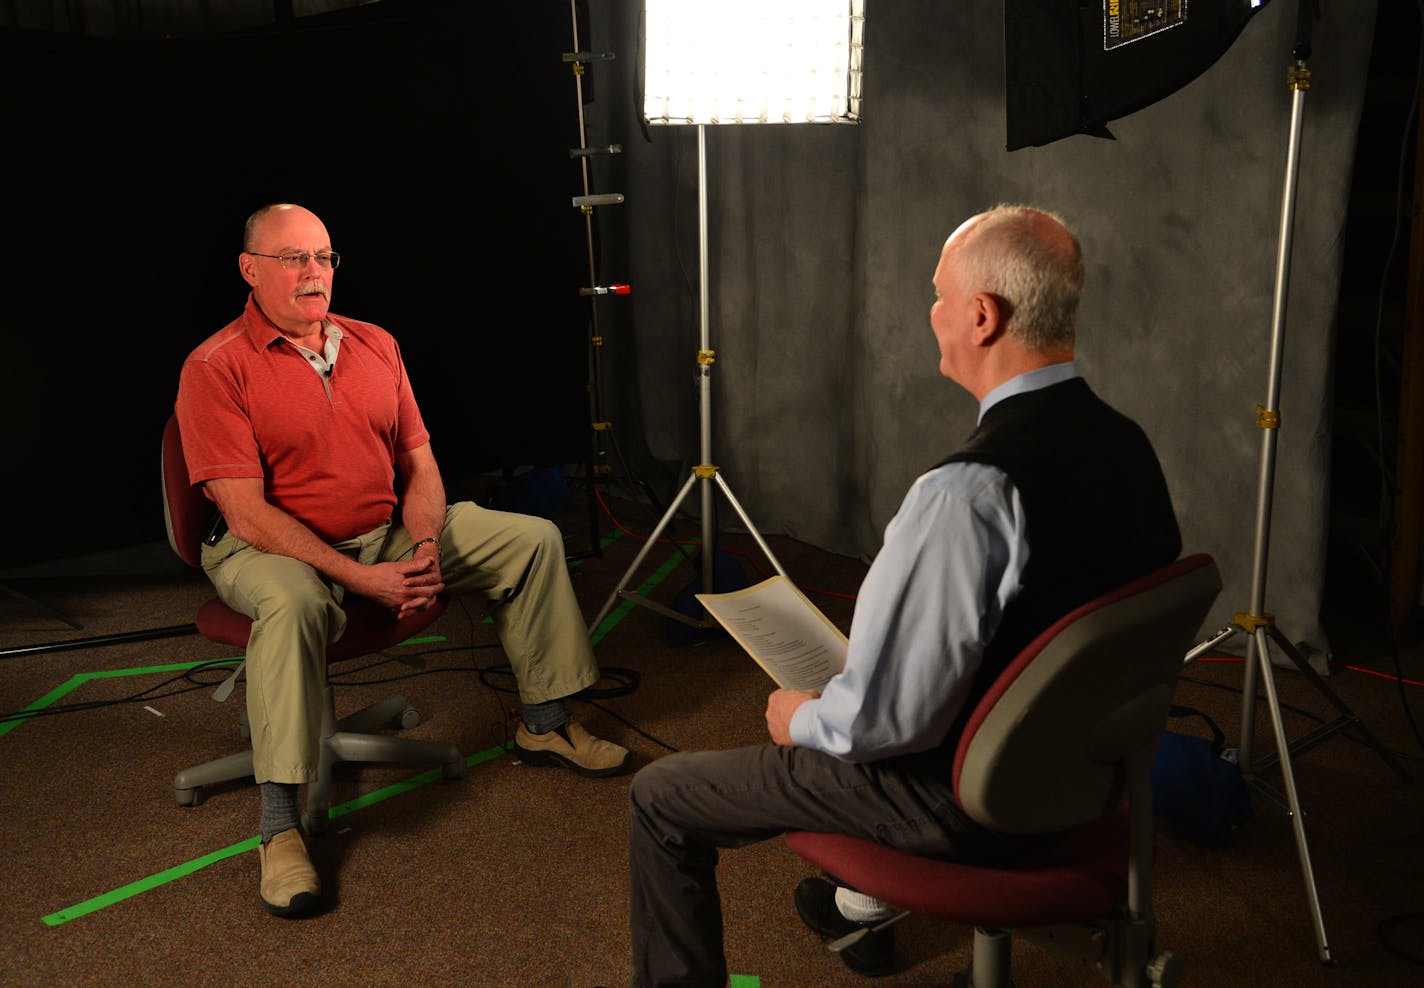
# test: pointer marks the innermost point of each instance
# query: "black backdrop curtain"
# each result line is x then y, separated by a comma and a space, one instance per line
432, 138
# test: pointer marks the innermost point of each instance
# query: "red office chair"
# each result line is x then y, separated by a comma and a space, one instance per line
1062, 743
370, 628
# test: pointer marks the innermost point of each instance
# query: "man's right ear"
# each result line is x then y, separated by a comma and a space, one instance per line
248, 267
988, 318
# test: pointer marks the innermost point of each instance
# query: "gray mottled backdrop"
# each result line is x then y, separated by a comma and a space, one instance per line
826, 398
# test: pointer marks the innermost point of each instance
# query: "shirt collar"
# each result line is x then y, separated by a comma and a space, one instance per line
263, 332
1040, 377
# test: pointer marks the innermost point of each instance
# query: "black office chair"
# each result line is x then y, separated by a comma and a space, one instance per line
370, 628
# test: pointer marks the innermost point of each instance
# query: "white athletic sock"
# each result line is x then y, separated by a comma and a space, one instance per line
861, 908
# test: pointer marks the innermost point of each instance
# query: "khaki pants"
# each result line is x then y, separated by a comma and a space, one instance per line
514, 561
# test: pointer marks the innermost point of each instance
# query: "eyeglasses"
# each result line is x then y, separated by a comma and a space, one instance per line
298, 258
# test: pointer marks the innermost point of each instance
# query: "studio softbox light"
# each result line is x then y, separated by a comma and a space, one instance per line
749, 61
1070, 67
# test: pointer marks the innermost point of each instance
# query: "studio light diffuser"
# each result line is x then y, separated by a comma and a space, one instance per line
1071, 68
752, 61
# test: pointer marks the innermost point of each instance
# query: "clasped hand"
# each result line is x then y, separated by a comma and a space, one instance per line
404, 587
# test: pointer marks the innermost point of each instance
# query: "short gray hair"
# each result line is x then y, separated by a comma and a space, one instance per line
1034, 270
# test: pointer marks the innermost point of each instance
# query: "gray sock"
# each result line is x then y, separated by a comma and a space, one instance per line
279, 808
541, 718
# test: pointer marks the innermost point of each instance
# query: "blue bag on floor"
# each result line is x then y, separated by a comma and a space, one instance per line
727, 575
1197, 784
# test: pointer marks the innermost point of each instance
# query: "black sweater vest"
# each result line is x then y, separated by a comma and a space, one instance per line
1096, 503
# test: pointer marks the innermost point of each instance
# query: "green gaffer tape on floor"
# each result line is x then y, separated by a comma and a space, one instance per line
744, 981
144, 884
414, 782
79, 679
621, 611
183, 870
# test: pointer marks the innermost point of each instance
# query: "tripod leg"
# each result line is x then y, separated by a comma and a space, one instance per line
1297, 816
1347, 717
737, 507
1254, 648
642, 553
1206, 645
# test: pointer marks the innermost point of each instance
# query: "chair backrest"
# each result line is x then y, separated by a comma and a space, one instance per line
186, 509
1045, 750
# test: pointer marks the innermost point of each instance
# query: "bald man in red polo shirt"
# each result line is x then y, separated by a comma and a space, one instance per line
296, 422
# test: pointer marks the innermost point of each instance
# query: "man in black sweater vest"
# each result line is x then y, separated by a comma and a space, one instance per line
1055, 499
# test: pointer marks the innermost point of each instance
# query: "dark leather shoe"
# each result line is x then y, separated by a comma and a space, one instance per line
872, 955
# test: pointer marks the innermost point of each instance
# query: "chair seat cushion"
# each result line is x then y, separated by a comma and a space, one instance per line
1084, 876
219, 623
369, 627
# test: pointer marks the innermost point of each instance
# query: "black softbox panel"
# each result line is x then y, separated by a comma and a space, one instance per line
1071, 66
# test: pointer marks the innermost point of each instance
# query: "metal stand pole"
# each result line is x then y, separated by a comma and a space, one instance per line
1258, 624
705, 472
172, 631
602, 428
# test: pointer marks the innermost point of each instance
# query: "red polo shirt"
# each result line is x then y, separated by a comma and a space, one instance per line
250, 405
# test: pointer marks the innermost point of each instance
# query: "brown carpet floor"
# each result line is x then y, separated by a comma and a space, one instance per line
517, 876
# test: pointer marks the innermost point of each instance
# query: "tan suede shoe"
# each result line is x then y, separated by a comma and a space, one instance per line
587, 755
289, 883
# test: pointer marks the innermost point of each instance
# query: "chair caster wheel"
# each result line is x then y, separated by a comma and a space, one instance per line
453, 770
409, 717
314, 823
189, 797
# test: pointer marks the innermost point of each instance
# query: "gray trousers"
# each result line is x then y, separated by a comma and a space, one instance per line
684, 807
515, 562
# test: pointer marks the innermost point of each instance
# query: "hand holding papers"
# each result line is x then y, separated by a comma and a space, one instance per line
782, 630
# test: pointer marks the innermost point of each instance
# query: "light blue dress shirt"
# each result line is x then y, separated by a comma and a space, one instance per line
952, 560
